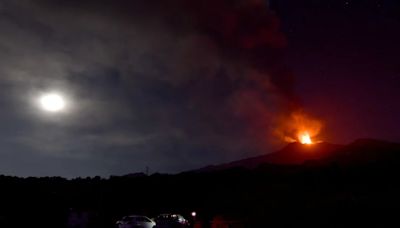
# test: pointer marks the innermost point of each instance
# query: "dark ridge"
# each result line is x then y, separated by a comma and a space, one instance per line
292, 154
364, 151
360, 151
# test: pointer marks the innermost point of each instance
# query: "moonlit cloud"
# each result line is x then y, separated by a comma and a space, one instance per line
165, 88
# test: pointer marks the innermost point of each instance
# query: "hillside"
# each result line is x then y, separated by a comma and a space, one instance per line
360, 151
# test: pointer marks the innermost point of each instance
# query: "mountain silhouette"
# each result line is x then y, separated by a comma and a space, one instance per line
360, 151
366, 151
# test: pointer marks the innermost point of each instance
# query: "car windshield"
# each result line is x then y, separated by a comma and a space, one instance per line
127, 218
142, 219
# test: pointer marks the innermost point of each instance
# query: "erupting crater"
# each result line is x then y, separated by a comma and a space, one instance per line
305, 138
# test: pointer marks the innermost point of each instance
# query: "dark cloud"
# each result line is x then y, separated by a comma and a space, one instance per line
171, 85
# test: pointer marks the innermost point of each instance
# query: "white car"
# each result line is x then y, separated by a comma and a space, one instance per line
135, 221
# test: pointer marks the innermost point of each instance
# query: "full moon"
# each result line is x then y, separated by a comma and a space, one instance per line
52, 102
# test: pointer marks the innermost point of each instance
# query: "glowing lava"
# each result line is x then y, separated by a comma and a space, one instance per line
305, 138
299, 127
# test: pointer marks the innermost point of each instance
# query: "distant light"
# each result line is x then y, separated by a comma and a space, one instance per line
52, 102
193, 214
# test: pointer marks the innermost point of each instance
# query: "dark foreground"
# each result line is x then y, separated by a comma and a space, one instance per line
317, 194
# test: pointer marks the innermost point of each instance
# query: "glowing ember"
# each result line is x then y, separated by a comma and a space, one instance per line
305, 138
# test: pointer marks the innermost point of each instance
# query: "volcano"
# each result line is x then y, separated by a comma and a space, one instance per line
361, 151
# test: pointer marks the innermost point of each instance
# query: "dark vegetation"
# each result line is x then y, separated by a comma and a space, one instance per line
344, 190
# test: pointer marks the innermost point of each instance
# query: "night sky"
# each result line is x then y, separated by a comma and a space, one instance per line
177, 85
345, 55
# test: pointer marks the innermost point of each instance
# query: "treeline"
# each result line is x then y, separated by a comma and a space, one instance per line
329, 195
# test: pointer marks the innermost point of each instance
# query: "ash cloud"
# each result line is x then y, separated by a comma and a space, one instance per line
171, 85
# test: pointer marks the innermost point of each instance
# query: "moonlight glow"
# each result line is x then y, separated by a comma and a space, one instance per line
52, 102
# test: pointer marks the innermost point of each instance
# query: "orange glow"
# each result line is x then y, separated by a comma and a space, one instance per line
305, 138
298, 127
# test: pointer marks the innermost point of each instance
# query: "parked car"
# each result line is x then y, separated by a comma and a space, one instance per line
171, 221
135, 221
